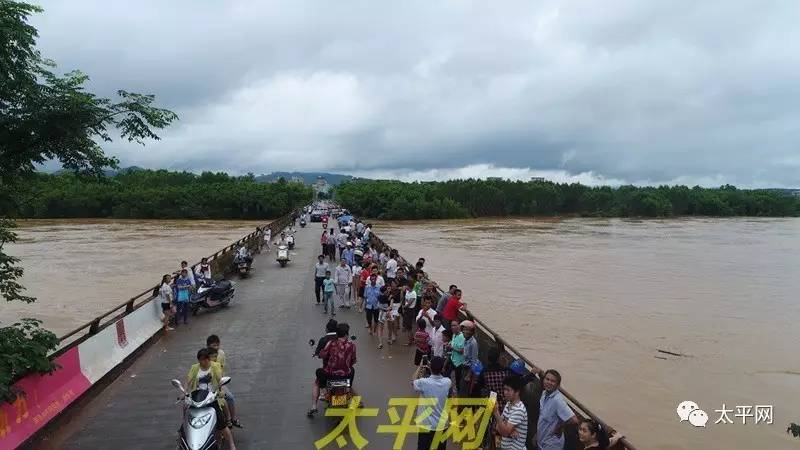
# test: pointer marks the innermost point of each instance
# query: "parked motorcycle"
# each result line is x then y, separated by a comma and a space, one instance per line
283, 255
198, 430
211, 294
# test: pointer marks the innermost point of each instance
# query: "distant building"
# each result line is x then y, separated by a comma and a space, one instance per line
322, 186
537, 179
296, 179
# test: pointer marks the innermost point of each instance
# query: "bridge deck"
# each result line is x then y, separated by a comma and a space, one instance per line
265, 335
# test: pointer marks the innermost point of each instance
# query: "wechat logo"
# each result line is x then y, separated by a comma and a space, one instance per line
691, 412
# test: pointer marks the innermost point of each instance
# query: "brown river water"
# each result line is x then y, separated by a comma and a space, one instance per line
596, 299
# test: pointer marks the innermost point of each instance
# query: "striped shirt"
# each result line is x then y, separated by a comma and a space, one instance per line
516, 415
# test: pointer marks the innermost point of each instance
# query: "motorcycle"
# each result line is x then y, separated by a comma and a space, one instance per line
211, 295
337, 392
198, 430
290, 241
302, 223
283, 255
242, 264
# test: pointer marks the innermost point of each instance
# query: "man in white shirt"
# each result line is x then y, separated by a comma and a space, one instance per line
343, 277
437, 337
391, 266
427, 313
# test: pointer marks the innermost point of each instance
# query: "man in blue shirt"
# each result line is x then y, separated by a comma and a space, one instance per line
436, 387
371, 293
183, 286
554, 413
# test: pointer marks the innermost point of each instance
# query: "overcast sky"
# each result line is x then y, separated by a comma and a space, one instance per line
594, 91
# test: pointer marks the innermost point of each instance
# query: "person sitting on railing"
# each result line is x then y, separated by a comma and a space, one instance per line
594, 436
203, 270
554, 413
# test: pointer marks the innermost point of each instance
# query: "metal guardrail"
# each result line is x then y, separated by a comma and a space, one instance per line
577, 406
111, 316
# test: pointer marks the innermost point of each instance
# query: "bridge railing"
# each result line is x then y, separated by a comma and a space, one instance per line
487, 337
220, 262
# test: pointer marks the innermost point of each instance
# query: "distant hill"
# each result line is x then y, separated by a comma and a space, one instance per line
307, 177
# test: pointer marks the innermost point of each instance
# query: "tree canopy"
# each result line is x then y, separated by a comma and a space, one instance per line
156, 194
479, 198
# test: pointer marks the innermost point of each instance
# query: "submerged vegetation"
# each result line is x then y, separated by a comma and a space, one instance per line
481, 198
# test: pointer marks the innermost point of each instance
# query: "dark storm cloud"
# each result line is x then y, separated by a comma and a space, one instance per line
633, 91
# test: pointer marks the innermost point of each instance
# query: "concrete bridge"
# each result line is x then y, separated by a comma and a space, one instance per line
265, 334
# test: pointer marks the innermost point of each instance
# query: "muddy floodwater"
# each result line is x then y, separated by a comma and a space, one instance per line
600, 300
78, 269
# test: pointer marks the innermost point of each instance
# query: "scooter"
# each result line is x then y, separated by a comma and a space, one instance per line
290, 241
283, 255
242, 265
199, 428
337, 392
302, 223
211, 295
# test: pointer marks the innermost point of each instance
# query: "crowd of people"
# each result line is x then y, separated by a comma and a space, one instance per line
400, 304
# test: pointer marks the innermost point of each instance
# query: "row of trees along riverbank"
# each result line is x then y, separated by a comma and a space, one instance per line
480, 198
155, 194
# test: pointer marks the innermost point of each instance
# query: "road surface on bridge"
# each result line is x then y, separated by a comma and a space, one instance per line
265, 334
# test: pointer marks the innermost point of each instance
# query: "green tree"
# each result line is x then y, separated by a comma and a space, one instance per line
43, 117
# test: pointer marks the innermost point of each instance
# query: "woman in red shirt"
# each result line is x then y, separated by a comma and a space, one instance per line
454, 304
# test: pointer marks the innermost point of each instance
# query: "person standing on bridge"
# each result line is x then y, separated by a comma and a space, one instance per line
371, 293
341, 241
391, 266
203, 270
330, 245
329, 288
323, 240
433, 386
554, 413
343, 278
184, 286
268, 239
185, 265
167, 299
320, 268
